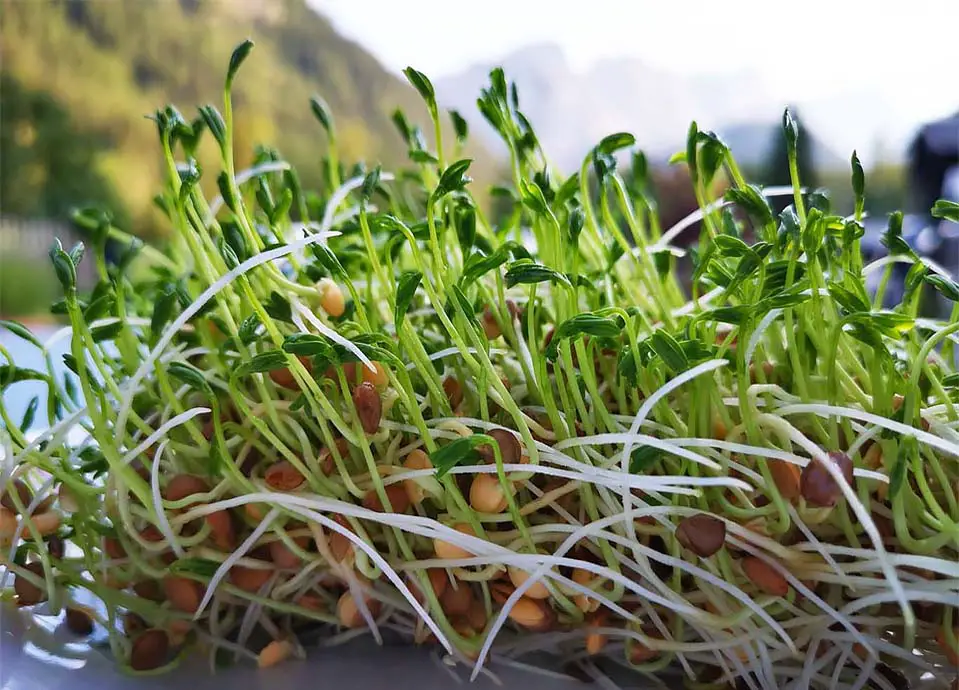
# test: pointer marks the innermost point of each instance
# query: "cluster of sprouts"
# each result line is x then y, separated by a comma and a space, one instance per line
373, 410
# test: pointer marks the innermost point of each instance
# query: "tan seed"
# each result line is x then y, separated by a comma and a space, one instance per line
416, 460
447, 551
530, 614
182, 593
453, 390
23, 492
765, 577
378, 377
349, 613
29, 594
439, 582
538, 591
45, 523
67, 500
595, 641
283, 476
274, 653
149, 650
331, 297
252, 579
487, 495
79, 621
369, 407
221, 527
702, 534
8, 524
456, 601
786, 477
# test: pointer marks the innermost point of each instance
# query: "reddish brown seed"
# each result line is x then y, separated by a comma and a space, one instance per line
702, 534
149, 590
150, 650
151, 533
439, 581
183, 485
182, 593
133, 624
514, 310
453, 390
476, 616
500, 592
399, 500
765, 577
490, 326
817, 485
78, 621
328, 462
23, 493
369, 407
283, 476
113, 547
55, 547
28, 593
252, 579
456, 600
786, 477
510, 449
222, 530
284, 377
283, 557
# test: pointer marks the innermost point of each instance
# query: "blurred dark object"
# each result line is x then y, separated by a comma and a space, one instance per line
932, 155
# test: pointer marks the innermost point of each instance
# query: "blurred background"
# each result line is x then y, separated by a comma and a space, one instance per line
79, 76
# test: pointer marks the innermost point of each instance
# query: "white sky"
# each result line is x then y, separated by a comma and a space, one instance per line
907, 51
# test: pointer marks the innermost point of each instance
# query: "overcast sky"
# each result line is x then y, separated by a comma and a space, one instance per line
906, 52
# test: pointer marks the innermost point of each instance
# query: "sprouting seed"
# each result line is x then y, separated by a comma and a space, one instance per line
457, 599
399, 500
490, 325
531, 614
283, 557
378, 377
23, 493
702, 534
182, 485
349, 613
487, 494
183, 594
453, 390
331, 297
79, 621
149, 650
369, 406
447, 551
283, 476
439, 582
818, 486
786, 476
250, 579
538, 591
274, 653
29, 594
327, 461
765, 577
416, 460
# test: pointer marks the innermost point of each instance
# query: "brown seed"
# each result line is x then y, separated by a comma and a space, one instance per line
369, 407
8, 524
151, 533
283, 557
456, 601
584, 603
416, 460
310, 601
510, 449
538, 591
490, 326
55, 547
328, 462
28, 593
702, 534
531, 614
113, 548
445, 550
182, 593
149, 590
45, 523
284, 377
379, 377
477, 615
283, 476
252, 579
399, 500
817, 485
133, 624
640, 653
23, 493
439, 581
221, 527
149, 650
500, 592
453, 390
487, 495
786, 477
183, 485
79, 621
765, 577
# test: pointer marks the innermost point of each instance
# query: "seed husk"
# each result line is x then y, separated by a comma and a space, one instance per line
149, 590
113, 548
78, 621
702, 534
453, 390
150, 650
445, 550
369, 407
29, 594
456, 601
283, 476
326, 459
538, 591
476, 616
396, 493
510, 449
595, 641
817, 485
490, 326
55, 547
765, 577
182, 593
439, 581
183, 485
500, 592
23, 493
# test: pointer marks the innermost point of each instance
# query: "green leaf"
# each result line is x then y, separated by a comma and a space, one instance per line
892, 238
614, 142
466, 306
525, 272
847, 299
752, 201
405, 289
262, 363
306, 344
783, 300
734, 315
532, 197
321, 111
465, 220
29, 414
101, 306
63, 266
458, 452
236, 59
327, 259
422, 84
584, 324
93, 461
460, 126
370, 183
21, 331
791, 131
247, 331
190, 375
908, 449
279, 307
106, 332
712, 153
478, 265
813, 232
577, 219
642, 458
567, 190
195, 566
692, 138
453, 179
731, 246
951, 381
669, 351
214, 122
858, 179
948, 210
946, 287
163, 310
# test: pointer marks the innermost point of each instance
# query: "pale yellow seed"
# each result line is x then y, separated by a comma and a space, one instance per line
487, 495
445, 550
595, 643
378, 377
275, 653
528, 613
538, 591
416, 460
331, 297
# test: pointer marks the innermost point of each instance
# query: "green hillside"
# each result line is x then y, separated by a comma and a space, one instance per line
80, 75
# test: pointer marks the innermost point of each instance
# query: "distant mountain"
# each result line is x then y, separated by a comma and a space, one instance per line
571, 110
79, 77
